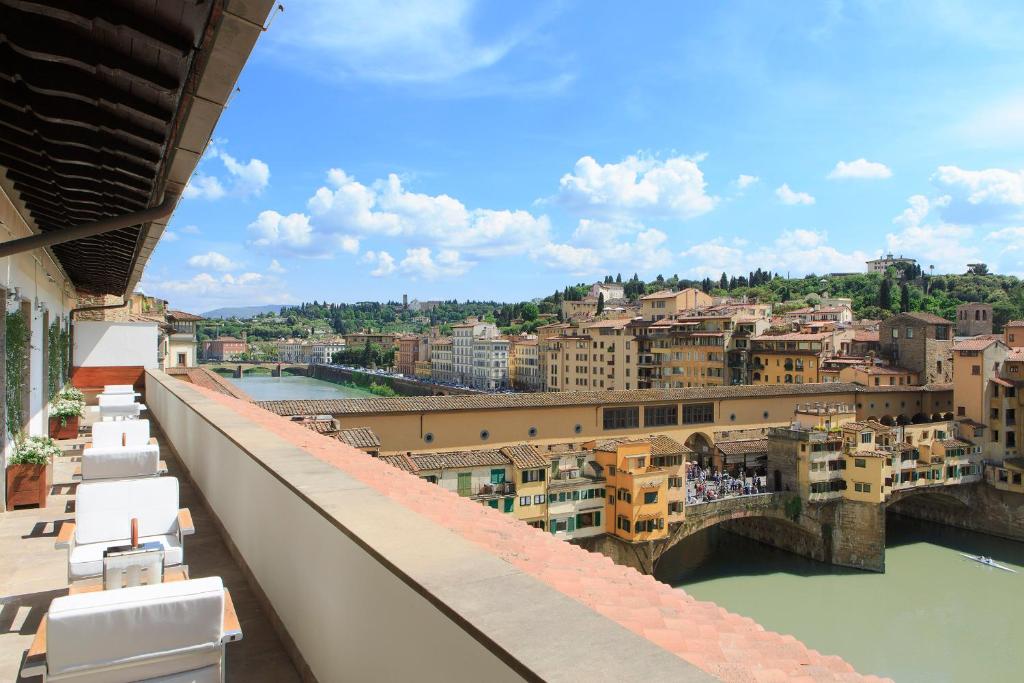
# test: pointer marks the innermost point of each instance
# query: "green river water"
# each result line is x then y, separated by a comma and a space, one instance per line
932, 616
263, 388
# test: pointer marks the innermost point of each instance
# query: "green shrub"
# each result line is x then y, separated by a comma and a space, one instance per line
35, 450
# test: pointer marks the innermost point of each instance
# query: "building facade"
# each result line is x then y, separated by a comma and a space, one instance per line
441, 364
490, 364
463, 337
880, 265
667, 303
973, 319
408, 354
594, 356
224, 348
524, 364
920, 342
792, 357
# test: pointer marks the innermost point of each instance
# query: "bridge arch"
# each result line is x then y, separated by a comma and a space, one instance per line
703, 447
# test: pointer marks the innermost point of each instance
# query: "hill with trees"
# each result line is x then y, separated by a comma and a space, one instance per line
874, 296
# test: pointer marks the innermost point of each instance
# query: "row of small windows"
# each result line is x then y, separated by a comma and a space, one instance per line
486, 434
657, 416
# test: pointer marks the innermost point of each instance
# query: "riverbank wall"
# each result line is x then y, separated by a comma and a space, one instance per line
401, 385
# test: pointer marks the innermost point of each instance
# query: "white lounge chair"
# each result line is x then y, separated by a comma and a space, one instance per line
119, 389
125, 433
103, 514
167, 632
120, 462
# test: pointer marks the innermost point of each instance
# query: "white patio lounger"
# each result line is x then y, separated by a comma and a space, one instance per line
172, 631
103, 514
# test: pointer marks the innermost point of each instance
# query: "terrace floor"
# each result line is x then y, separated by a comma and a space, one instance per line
33, 572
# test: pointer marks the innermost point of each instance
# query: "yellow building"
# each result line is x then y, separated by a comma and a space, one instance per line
584, 309
667, 303
530, 478
874, 375
791, 357
1013, 334
524, 366
598, 355
637, 491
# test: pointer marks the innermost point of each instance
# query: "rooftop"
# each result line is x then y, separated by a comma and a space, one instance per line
974, 344
358, 437
743, 447
417, 404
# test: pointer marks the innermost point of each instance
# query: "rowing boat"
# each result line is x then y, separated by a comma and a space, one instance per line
988, 562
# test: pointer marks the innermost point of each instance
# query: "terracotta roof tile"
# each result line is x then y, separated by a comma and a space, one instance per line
973, 344
525, 456
744, 447
359, 437
321, 426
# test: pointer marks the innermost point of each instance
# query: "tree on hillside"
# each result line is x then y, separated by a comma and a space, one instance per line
530, 311
618, 279
600, 303
978, 269
724, 282
904, 298
885, 294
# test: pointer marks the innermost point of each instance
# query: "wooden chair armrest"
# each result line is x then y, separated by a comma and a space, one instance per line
152, 441
77, 472
185, 525
231, 628
161, 467
65, 535
35, 659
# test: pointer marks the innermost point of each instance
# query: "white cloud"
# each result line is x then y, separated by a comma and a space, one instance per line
1008, 239
860, 169
247, 179
383, 262
213, 260
276, 267
991, 185
421, 263
744, 181
596, 247
170, 236
797, 252
637, 186
947, 246
788, 196
190, 230
386, 208
405, 42
292, 232
203, 187
204, 290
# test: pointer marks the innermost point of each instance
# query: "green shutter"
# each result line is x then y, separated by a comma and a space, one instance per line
561, 497
554, 526
597, 518
497, 476
493, 503
509, 502
576, 495
572, 524
552, 498
465, 483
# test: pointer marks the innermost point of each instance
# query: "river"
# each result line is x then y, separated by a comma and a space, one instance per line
932, 616
295, 387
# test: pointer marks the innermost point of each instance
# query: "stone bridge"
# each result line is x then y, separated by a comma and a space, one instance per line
976, 506
239, 369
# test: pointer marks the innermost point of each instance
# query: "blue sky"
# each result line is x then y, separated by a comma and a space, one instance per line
503, 150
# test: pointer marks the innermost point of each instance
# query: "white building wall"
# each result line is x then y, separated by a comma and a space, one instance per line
103, 343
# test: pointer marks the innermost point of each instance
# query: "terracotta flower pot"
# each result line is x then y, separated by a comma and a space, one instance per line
27, 485
68, 431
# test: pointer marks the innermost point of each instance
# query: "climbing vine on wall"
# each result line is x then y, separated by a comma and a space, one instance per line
58, 357
16, 361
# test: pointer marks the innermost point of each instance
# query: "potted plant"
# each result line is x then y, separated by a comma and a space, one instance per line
65, 410
28, 472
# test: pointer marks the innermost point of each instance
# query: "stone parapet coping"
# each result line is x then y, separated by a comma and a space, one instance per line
725, 645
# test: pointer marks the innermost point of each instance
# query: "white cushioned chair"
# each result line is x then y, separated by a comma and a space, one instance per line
121, 462
168, 632
103, 514
126, 433
119, 389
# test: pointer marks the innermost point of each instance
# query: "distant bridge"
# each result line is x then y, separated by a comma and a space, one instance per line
239, 369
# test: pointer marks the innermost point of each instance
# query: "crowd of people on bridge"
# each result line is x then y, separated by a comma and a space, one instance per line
706, 484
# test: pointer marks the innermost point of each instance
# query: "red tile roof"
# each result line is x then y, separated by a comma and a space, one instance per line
973, 344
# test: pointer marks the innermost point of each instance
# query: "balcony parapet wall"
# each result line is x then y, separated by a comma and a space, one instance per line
374, 574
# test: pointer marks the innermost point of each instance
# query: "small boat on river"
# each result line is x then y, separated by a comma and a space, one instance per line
988, 562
